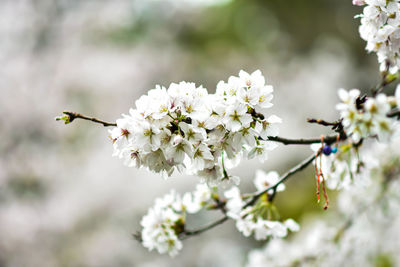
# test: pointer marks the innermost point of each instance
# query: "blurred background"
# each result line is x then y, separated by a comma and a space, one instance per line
64, 201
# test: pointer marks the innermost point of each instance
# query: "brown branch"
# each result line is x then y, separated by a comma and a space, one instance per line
286, 141
74, 115
394, 113
188, 233
324, 123
329, 139
387, 78
253, 199
283, 178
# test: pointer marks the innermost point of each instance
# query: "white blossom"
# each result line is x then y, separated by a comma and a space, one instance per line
367, 117
165, 220
258, 219
265, 180
380, 28
185, 128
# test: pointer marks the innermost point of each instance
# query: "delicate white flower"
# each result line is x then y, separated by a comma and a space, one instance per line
194, 201
348, 99
265, 180
211, 176
292, 225
193, 135
160, 102
265, 97
236, 117
202, 157
268, 127
147, 135
249, 96
245, 226
234, 202
276, 229
261, 150
176, 153
254, 80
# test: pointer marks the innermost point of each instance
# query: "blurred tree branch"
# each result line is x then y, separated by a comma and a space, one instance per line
71, 116
301, 166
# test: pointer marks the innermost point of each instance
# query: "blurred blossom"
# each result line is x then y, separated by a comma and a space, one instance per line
64, 201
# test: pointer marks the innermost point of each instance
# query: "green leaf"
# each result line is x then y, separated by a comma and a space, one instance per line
65, 118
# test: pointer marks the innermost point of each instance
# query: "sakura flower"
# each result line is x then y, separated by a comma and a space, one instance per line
237, 117
261, 151
265, 97
147, 135
202, 157
254, 80
292, 225
268, 127
265, 180
193, 135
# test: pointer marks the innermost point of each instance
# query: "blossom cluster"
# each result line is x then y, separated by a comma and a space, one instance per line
262, 218
364, 214
186, 128
380, 23
166, 219
365, 117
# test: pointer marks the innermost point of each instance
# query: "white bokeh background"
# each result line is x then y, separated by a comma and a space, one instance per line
64, 201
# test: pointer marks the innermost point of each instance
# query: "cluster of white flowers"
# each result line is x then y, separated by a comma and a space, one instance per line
185, 127
262, 219
367, 117
364, 214
380, 23
166, 219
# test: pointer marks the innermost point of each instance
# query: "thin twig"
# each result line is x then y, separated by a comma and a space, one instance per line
254, 198
329, 139
188, 233
394, 113
387, 79
286, 141
283, 178
75, 115
323, 122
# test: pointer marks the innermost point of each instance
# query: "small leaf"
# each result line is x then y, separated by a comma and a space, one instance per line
65, 118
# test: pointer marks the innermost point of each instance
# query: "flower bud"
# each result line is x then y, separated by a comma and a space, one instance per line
358, 2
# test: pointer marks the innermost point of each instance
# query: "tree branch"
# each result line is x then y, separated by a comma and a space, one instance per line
394, 113
323, 122
74, 115
254, 198
329, 139
283, 178
387, 78
188, 233
286, 141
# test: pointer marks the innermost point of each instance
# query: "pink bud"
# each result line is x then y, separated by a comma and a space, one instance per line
358, 2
